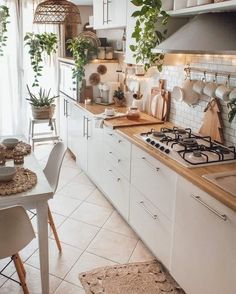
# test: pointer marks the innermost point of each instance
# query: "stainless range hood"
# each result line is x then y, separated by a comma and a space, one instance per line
210, 33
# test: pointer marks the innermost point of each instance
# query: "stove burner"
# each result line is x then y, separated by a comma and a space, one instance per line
197, 153
221, 149
188, 142
181, 131
158, 134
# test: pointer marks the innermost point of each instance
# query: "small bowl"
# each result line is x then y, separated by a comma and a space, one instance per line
10, 143
7, 173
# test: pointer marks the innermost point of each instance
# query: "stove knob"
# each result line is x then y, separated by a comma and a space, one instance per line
167, 151
162, 148
153, 142
157, 145
148, 140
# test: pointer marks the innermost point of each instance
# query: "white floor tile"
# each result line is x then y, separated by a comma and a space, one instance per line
66, 175
33, 282
141, 253
58, 220
92, 214
76, 190
83, 180
117, 224
113, 246
63, 205
86, 262
96, 197
67, 288
59, 264
77, 233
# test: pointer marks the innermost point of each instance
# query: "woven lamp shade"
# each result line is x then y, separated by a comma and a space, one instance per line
57, 12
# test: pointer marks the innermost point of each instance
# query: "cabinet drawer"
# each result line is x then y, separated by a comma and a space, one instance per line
156, 181
118, 160
116, 187
151, 225
117, 142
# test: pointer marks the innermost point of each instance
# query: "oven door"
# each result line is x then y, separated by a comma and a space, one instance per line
68, 84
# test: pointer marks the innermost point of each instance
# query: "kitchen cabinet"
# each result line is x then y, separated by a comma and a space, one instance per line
154, 228
204, 247
109, 14
154, 180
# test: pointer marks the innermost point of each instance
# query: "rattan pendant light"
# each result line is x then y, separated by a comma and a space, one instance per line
57, 12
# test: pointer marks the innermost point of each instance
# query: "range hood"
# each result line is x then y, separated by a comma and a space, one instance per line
210, 33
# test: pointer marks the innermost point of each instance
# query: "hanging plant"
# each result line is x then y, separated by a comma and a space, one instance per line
40, 45
4, 15
232, 109
79, 48
146, 34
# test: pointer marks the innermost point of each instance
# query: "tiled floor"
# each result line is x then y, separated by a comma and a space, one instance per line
92, 234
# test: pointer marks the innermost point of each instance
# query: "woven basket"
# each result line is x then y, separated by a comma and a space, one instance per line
44, 112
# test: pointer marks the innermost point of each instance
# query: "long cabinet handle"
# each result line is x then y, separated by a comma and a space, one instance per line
150, 164
64, 106
84, 118
67, 108
117, 178
87, 127
154, 216
198, 199
103, 12
108, 2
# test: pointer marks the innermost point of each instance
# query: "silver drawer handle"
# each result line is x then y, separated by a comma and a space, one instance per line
120, 141
117, 179
150, 164
198, 199
118, 159
154, 216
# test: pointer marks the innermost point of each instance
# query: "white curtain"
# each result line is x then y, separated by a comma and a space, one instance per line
16, 71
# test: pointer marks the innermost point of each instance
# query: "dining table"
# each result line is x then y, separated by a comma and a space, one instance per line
35, 198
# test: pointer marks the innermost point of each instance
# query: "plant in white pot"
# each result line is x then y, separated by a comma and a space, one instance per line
42, 105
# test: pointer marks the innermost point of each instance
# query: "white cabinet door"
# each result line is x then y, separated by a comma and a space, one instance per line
151, 225
204, 249
95, 151
109, 14
63, 119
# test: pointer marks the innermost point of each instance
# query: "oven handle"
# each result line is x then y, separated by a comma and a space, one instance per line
150, 164
198, 199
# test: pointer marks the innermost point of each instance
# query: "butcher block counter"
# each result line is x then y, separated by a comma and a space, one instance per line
194, 175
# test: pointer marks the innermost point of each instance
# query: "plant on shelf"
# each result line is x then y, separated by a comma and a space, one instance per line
4, 15
232, 109
146, 34
40, 45
42, 105
79, 48
119, 97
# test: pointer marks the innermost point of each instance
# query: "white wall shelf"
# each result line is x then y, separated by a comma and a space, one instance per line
213, 7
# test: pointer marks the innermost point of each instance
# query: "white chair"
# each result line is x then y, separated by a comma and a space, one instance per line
52, 173
16, 232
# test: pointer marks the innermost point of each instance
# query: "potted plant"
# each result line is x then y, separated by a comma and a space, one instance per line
146, 34
232, 109
40, 45
4, 15
79, 48
119, 97
42, 106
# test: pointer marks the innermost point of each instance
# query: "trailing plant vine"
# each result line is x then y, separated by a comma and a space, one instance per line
4, 15
146, 34
79, 47
40, 45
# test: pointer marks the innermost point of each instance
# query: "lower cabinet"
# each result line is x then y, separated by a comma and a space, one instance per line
151, 225
204, 247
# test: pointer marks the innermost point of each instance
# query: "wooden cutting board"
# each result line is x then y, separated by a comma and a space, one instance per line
144, 119
212, 121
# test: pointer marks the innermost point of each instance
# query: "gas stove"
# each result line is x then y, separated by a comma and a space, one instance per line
189, 149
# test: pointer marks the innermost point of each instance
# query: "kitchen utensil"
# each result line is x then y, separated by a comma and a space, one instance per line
94, 79
212, 122
7, 173
223, 92
177, 94
133, 113
10, 143
232, 94
190, 97
210, 89
138, 103
198, 87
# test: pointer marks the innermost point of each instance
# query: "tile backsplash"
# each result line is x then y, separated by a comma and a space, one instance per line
188, 116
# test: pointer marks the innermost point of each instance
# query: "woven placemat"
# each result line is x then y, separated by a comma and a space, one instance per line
134, 278
23, 147
23, 180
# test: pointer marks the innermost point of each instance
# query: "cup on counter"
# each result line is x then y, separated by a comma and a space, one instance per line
210, 89
223, 92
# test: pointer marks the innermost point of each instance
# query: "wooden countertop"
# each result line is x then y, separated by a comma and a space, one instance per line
194, 175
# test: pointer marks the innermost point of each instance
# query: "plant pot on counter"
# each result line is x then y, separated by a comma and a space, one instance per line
43, 112
119, 102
